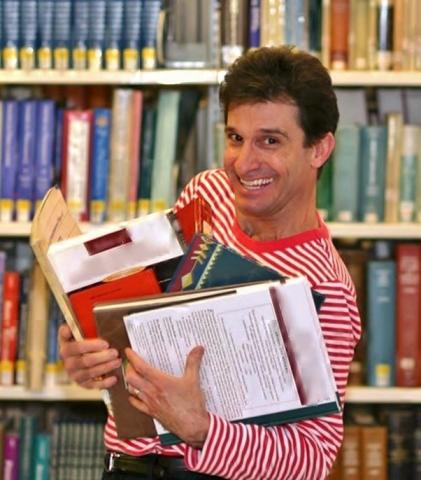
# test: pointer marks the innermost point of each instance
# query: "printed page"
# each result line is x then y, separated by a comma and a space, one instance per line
245, 370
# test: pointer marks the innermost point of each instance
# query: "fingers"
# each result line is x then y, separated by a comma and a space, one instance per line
193, 363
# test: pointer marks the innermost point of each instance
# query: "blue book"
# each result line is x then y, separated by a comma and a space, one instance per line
150, 16
42, 453
315, 27
113, 36
296, 24
254, 24
80, 29
96, 37
131, 37
62, 20
26, 160
10, 31
9, 155
100, 164
28, 33
381, 319
45, 34
372, 167
44, 149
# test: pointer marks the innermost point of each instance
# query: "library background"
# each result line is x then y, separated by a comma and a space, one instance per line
89, 88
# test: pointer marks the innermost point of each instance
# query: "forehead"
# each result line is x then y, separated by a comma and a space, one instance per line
271, 114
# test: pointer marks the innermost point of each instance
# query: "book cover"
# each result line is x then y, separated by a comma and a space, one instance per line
9, 158
28, 34
79, 34
77, 131
45, 34
113, 34
381, 323
163, 181
143, 282
100, 157
26, 160
282, 315
407, 314
9, 327
131, 34
96, 33
372, 168
62, 22
346, 174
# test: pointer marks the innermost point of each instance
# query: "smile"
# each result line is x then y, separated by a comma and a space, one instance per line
259, 182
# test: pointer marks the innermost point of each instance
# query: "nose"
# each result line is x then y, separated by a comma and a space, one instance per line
246, 158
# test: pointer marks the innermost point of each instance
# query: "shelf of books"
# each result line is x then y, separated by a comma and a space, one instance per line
355, 230
191, 76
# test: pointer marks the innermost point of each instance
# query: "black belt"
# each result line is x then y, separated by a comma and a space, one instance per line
150, 466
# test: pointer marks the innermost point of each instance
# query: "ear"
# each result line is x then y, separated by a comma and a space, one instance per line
322, 150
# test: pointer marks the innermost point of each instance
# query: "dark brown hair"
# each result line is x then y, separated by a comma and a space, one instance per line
270, 74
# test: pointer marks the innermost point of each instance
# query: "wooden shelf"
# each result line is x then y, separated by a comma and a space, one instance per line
338, 230
190, 77
75, 393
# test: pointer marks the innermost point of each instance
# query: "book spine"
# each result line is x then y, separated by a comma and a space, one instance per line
134, 152
373, 452
9, 328
61, 33
41, 462
10, 28
146, 155
346, 159
358, 32
394, 124
21, 365
408, 292
53, 366
76, 161
80, 29
28, 34
351, 460
45, 34
254, 24
149, 28
11, 456
296, 23
381, 318
9, 145
119, 154
131, 37
408, 171
26, 160
339, 31
100, 164
373, 155
326, 21
272, 22
400, 425
113, 36
233, 30
315, 27
3, 261
385, 11
28, 425
44, 148
58, 145
96, 38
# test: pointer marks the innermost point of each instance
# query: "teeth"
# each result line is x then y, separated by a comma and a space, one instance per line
259, 182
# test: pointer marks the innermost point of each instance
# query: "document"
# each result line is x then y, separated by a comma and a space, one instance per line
265, 359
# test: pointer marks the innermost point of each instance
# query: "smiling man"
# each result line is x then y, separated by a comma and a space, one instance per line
281, 115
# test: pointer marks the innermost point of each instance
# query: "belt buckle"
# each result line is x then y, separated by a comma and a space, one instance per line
111, 456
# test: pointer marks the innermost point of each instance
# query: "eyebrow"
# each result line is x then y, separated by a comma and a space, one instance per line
267, 131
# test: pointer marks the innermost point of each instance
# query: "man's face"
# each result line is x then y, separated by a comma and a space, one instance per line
266, 161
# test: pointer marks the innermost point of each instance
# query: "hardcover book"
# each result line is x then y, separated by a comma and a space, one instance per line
299, 381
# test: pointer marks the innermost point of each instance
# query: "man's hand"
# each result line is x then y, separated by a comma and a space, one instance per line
177, 403
88, 362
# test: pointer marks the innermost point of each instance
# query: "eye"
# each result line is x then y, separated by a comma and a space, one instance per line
271, 141
234, 137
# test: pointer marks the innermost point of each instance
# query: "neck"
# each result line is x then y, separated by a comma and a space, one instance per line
275, 229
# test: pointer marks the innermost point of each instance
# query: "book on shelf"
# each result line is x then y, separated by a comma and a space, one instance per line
282, 315
96, 34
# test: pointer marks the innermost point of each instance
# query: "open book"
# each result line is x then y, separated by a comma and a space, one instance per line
265, 359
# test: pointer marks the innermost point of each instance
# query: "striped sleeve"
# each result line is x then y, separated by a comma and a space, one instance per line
303, 450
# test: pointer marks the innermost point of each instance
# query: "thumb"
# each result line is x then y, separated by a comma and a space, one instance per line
193, 362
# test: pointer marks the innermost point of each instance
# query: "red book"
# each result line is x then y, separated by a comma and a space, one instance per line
339, 32
408, 308
137, 284
9, 329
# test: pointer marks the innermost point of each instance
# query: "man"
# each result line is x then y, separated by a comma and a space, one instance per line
281, 115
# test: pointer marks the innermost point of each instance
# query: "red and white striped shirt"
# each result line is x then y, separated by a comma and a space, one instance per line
301, 450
